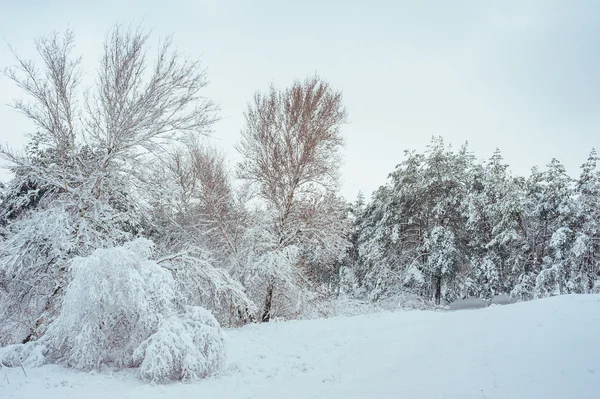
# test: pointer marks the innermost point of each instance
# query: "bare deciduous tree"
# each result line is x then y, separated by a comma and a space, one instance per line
53, 91
135, 111
218, 203
209, 212
290, 147
94, 163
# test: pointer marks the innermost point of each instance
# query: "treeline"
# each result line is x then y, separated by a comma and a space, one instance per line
446, 226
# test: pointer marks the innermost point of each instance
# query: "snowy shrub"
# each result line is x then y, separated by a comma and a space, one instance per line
32, 260
186, 346
120, 310
114, 301
31, 354
201, 284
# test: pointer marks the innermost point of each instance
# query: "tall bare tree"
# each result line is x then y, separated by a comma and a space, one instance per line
290, 147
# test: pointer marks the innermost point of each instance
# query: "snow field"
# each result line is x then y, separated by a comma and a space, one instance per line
539, 349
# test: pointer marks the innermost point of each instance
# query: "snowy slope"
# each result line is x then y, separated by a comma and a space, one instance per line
541, 349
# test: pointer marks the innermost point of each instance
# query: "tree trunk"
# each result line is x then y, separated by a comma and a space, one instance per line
268, 301
438, 290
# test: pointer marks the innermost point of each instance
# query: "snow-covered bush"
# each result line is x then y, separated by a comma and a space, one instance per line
185, 346
120, 310
201, 284
30, 354
32, 261
115, 301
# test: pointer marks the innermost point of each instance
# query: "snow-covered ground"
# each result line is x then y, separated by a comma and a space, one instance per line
540, 349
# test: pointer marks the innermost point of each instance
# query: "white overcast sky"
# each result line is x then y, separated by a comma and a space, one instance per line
523, 76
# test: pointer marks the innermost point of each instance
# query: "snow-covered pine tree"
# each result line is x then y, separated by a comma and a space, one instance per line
425, 192
390, 235
494, 213
551, 213
585, 268
445, 175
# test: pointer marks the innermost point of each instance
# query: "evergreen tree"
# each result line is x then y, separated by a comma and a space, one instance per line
585, 268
